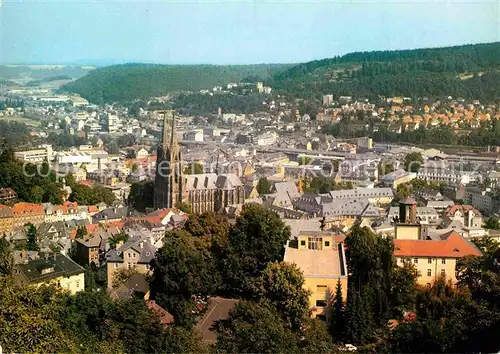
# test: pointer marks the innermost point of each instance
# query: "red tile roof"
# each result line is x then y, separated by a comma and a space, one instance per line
165, 317
23, 208
86, 183
451, 245
463, 208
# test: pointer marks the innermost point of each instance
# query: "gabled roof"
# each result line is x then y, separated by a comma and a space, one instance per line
450, 245
462, 208
146, 252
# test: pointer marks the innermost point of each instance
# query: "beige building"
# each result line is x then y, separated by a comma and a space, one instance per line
51, 269
320, 256
134, 254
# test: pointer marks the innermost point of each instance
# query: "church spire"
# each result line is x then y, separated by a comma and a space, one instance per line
173, 134
169, 136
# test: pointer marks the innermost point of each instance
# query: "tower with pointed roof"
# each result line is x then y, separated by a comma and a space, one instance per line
169, 180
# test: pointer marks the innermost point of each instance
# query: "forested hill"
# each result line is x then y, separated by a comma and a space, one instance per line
131, 81
470, 71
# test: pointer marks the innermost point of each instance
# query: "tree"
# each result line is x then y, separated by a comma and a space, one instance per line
362, 255
182, 268
403, 286
357, 318
282, 285
413, 161
6, 261
116, 239
492, 223
184, 207
263, 186
81, 231
338, 321
141, 195
31, 239
194, 168
254, 328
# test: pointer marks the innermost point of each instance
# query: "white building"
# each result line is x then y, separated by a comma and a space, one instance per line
37, 155
194, 135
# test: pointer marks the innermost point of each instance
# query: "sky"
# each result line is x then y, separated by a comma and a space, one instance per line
232, 32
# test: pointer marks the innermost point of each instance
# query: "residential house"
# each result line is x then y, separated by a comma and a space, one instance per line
136, 253
321, 258
51, 269
466, 215
53, 233
109, 215
7, 194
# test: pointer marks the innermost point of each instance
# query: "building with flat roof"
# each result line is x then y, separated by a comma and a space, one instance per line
320, 256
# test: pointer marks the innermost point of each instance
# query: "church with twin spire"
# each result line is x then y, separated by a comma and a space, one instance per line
206, 192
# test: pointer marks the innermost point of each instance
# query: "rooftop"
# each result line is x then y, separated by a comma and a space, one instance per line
47, 267
450, 245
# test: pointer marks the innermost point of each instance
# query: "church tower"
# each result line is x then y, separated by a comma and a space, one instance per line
169, 180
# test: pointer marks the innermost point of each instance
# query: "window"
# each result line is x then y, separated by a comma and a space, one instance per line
320, 303
402, 260
443, 272
77, 284
315, 243
443, 260
327, 243
415, 260
303, 243
129, 265
115, 265
321, 288
429, 260
429, 272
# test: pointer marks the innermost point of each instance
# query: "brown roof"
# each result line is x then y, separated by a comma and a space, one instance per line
218, 309
5, 212
451, 245
165, 317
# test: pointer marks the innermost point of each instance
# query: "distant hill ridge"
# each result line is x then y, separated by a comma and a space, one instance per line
469, 71
415, 72
132, 81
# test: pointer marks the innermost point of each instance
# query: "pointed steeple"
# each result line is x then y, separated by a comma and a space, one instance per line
164, 136
173, 134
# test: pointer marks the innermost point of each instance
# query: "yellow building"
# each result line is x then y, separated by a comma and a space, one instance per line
433, 257
51, 269
320, 256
